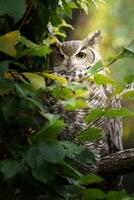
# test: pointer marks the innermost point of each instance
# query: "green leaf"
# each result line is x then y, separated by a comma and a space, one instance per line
82, 93
102, 79
86, 156
129, 78
93, 194
129, 94
96, 67
62, 93
44, 172
17, 150
9, 41
52, 118
90, 134
82, 5
36, 81
49, 131
52, 151
39, 50
32, 49
76, 86
121, 195
28, 43
122, 112
20, 90
40, 174
13, 8
58, 29
4, 65
54, 129
34, 158
94, 114
41, 170
55, 77
126, 52
9, 168
119, 88
73, 191
36, 103
71, 149
90, 179
64, 24
4, 91
10, 107
67, 8
80, 154
43, 13
73, 104
111, 59
70, 171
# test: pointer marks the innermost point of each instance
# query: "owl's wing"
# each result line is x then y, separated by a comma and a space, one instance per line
116, 123
114, 126
101, 97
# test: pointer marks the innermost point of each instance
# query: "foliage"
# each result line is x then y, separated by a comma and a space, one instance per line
30, 152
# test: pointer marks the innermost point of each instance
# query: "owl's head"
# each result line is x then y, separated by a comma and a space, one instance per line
75, 55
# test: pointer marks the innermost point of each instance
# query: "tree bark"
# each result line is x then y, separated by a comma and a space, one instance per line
116, 164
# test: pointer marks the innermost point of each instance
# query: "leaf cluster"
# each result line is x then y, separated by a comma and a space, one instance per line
30, 152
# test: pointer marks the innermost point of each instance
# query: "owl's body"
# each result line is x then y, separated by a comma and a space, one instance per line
72, 60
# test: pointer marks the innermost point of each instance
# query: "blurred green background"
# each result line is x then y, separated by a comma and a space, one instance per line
115, 19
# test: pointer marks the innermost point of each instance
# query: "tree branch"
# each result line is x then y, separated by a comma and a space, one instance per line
118, 163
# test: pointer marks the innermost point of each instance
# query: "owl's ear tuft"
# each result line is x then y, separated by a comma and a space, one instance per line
57, 44
93, 39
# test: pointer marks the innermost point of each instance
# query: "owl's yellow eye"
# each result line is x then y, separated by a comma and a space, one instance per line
60, 56
81, 55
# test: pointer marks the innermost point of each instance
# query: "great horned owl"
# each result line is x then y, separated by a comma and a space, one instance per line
72, 59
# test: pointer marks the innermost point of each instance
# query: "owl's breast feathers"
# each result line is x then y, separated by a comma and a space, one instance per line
99, 97
72, 60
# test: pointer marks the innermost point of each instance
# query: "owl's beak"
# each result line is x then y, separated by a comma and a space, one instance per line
69, 63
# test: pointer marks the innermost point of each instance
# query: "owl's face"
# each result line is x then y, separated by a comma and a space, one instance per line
72, 58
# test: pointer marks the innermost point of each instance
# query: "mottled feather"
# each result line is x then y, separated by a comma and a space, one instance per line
99, 95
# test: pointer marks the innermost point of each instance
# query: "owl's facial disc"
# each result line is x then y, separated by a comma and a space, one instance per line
80, 58
72, 59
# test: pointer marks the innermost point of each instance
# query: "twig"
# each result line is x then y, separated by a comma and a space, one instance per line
26, 15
